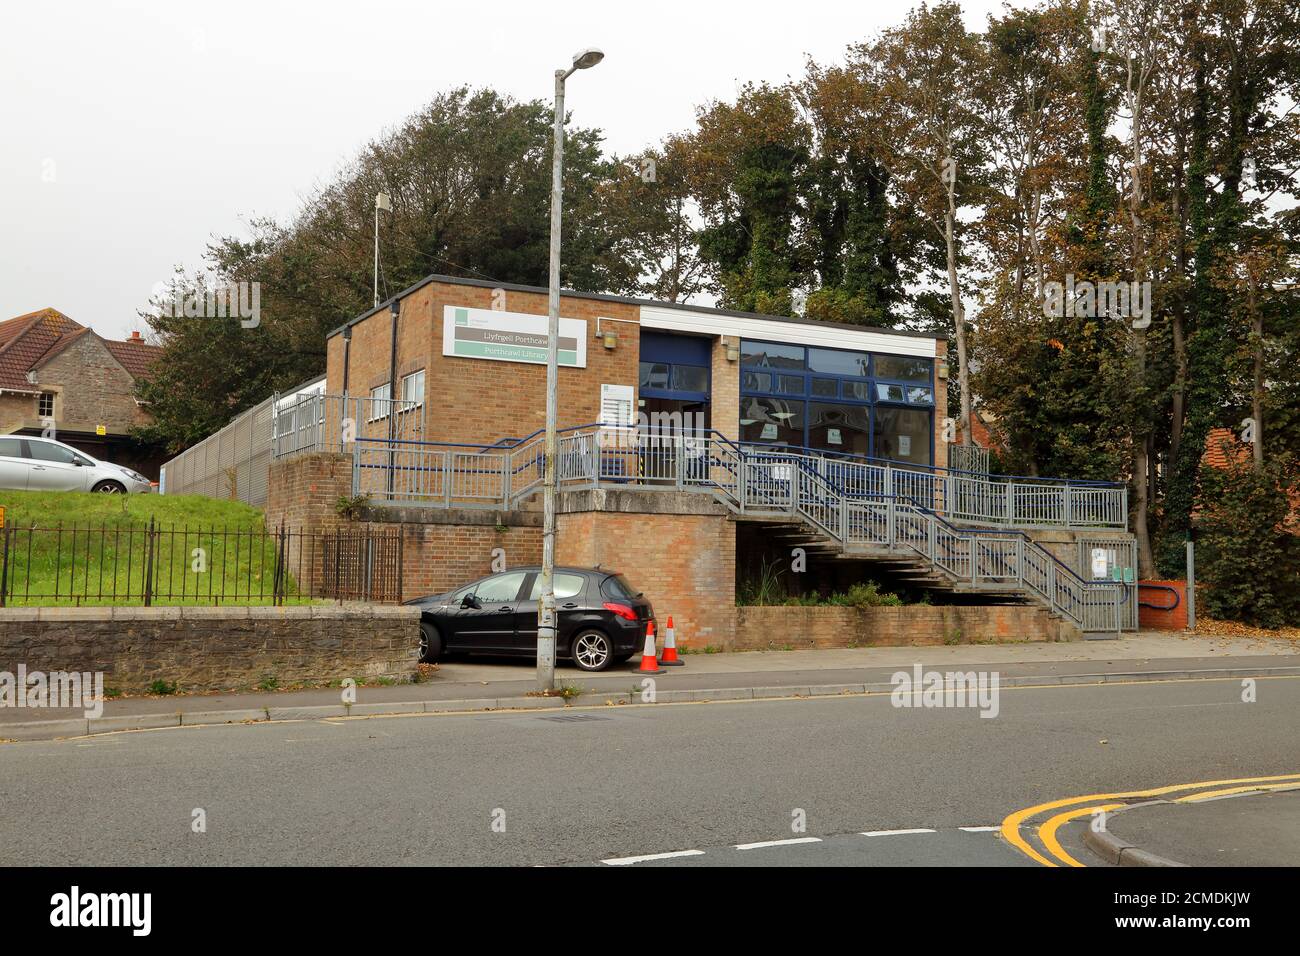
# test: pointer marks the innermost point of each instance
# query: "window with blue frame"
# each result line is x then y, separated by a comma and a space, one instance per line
674, 367
858, 403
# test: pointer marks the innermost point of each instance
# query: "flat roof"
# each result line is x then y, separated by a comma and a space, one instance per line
624, 300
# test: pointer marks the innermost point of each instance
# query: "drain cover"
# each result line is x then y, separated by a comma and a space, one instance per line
570, 718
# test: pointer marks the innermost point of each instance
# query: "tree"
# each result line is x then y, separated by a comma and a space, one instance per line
929, 137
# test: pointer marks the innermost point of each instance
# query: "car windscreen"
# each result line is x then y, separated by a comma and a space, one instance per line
616, 588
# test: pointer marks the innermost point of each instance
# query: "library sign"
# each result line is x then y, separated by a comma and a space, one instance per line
510, 337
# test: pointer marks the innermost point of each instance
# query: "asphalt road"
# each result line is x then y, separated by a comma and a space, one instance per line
587, 785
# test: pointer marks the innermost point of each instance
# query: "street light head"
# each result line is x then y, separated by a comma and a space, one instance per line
586, 59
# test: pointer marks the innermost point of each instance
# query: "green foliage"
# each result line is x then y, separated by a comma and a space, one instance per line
162, 688
865, 594
1247, 559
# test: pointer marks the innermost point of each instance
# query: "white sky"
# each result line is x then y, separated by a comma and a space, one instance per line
132, 132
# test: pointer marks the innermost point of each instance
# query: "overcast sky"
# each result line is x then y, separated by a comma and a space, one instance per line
131, 133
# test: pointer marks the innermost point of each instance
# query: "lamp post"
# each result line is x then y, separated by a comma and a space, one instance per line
382, 201
546, 607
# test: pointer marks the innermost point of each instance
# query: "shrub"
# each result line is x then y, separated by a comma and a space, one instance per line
1248, 561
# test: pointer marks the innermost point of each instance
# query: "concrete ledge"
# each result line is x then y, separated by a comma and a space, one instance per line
45, 729
1120, 852
307, 713
108, 725
205, 718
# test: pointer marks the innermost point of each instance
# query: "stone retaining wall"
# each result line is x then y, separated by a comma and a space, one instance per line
205, 648
795, 628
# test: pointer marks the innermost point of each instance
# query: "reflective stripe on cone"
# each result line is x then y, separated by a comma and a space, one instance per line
670, 658
649, 665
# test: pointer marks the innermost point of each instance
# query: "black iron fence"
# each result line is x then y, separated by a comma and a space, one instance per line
169, 565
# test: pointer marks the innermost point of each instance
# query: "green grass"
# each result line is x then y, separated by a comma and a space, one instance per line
68, 548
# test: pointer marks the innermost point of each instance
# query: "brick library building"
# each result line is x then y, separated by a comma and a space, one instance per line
697, 447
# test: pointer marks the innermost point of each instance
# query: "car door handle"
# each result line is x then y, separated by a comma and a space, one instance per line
570, 605
506, 608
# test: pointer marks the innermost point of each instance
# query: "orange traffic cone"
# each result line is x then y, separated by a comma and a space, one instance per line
649, 665
670, 658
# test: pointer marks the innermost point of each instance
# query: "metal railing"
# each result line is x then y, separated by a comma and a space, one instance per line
860, 505
498, 475
330, 423
154, 564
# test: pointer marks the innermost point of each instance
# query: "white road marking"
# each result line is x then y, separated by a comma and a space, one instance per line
767, 843
629, 860
980, 829
896, 832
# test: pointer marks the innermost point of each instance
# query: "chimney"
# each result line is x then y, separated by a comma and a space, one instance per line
135, 336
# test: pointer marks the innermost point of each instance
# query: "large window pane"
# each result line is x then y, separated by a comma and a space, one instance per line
771, 420
756, 382
845, 428
690, 378
654, 375
917, 395
838, 363
771, 355
899, 368
903, 434
825, 388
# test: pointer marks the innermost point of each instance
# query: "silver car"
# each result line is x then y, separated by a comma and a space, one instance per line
28, 463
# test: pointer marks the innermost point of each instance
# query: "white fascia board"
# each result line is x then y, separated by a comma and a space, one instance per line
768, 330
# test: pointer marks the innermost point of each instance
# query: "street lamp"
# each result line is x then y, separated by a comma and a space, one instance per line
583, 60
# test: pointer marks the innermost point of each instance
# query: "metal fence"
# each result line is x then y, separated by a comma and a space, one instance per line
331, 423
492, 476
230, 464
167, 565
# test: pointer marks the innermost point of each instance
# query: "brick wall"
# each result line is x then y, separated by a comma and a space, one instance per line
91, 388
205, 649
776, 628
684, 562
1160, 618
441, 548
477, 400
941, 404
444, 549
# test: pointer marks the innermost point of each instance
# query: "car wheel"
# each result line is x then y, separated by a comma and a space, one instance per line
430, 643
109, 488
592, 651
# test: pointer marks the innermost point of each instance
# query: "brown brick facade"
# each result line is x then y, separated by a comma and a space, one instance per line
474, 400
685, 563
796, 628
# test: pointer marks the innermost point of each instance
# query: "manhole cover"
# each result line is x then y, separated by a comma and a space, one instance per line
570, 718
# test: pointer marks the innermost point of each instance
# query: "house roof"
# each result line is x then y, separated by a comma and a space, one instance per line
1220, 443
29, 341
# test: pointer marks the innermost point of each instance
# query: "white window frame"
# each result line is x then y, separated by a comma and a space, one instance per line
53, 397
380, 393
418, 401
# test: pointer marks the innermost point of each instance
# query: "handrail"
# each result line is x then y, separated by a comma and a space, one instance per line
955, 530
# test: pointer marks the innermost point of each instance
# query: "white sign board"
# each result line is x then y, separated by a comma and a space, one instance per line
616, 406
510, 337
1100, 564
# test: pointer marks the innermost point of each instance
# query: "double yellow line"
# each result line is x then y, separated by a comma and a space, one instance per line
1105, 802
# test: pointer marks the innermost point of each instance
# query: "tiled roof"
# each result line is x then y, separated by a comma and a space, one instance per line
29, 341
135, 356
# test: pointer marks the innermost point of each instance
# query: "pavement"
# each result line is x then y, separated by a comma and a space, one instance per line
1257, 828
480, 683
853, 779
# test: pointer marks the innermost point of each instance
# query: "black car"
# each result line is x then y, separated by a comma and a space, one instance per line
602, 618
